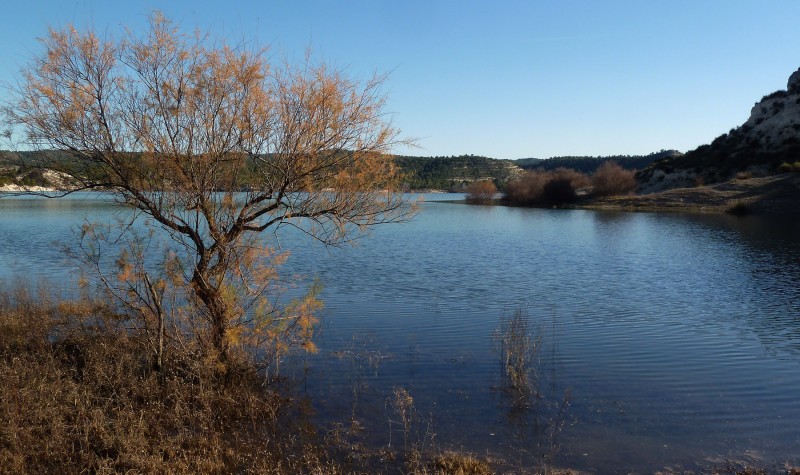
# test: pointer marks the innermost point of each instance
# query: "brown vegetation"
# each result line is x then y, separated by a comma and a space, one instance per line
80, 394
481, 191
611, 179
546, 188
770, 195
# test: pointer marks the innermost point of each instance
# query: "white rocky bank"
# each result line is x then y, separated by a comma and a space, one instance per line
777, 116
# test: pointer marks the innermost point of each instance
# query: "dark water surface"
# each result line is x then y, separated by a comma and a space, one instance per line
677, 337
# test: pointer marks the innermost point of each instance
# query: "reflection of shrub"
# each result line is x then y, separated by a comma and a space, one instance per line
612, 179
480, 191
740, 208
549, 188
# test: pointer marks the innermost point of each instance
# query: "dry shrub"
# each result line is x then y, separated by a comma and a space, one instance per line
546, 188
611, 179
527, 188
481, 191
518, 344
80, 395
459, 464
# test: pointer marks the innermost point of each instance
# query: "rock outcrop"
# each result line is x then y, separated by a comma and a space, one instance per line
769, 137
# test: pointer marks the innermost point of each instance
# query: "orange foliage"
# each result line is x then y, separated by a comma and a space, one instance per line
481, 191
171, 122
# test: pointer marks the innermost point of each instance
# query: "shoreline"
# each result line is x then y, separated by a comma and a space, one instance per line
770, 195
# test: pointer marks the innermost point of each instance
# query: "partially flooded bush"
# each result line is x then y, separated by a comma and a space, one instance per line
518, 345
739, 208
611, 179
480, 191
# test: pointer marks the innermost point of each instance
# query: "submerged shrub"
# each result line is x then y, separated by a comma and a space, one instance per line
518, 345
740, 208
480, 191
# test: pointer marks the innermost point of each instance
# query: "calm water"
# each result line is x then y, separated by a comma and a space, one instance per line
677, 336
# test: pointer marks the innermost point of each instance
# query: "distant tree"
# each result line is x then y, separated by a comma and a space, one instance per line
612, 179
169, 122
481, 191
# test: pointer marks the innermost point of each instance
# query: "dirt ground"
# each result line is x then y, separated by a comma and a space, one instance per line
777, 194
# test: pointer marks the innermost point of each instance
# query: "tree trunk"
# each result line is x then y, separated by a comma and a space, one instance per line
217, 313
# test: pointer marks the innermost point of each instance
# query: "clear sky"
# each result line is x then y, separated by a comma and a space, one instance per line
505, 79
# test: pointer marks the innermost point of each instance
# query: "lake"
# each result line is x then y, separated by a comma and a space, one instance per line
674, 339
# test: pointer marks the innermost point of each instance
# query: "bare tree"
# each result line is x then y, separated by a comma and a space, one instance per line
215, 145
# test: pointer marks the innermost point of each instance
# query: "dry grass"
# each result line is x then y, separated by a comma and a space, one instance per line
80, 395
518, 344
773, 195
457, 463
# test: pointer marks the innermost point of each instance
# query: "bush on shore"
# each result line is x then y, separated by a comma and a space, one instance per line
546, 188
611, 179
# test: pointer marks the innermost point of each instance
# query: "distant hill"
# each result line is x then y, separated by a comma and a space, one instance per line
25, 168
452, 173
769, 137
589, 164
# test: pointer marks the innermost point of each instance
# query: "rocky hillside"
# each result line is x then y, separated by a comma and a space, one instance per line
453, 173
769, 138
23, 171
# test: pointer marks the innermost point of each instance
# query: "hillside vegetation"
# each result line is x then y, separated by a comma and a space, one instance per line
588, 165
454, 173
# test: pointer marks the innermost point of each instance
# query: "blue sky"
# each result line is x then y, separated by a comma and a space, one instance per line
506, 79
